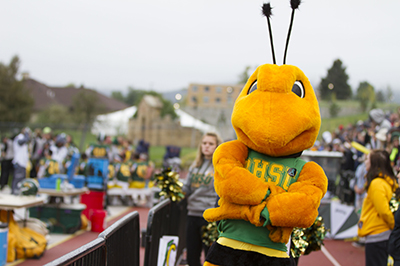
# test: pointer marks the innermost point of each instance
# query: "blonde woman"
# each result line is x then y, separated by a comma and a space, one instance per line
201, 195
377, 221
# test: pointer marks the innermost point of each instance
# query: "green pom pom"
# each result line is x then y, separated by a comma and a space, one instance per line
210, 233
171, 187
306, 240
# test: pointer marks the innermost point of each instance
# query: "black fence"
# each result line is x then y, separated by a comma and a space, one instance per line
93, 253
166, 218
119, 244
123, 241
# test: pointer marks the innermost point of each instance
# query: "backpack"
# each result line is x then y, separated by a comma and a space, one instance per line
23, 242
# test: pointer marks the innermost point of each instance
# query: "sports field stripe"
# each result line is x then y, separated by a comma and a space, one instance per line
329, 256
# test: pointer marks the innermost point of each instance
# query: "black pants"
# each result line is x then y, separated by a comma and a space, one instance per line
19, 175
222, 255
376, 254
194, 243
6, 169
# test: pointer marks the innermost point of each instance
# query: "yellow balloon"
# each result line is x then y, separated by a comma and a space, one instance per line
360, 147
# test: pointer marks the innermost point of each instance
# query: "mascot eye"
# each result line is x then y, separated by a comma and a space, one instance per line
298, 89
253, 87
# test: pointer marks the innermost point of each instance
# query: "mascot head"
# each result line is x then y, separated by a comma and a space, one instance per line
277, 112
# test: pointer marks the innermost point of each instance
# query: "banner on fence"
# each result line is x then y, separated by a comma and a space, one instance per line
167, 250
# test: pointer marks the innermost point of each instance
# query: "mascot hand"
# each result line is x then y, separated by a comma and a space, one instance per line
279, 234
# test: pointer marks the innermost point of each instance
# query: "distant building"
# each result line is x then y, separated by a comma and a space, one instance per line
213, 104
207, 95
45, 96
148, 125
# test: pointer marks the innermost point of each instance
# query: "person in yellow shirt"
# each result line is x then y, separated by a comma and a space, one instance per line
377, 220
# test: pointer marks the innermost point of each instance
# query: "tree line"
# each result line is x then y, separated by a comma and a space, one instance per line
16, 103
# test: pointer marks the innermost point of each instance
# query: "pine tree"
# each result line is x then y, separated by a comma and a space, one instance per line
335, 81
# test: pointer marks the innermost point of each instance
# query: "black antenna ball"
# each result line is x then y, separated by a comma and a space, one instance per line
267, 12
295, 4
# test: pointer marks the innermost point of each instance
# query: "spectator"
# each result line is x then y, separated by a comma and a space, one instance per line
71, 146
378, 119
59, 151
394, 239
48, 136
141, 170
380, 140
100, 150
21, 158
82, 168
377, 221
38, 142
201, 195
7, 155
358, 155
47, 165
359, 186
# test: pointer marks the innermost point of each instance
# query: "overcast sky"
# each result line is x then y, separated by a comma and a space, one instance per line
165, 45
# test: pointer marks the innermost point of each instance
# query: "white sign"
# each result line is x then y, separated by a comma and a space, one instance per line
167, 250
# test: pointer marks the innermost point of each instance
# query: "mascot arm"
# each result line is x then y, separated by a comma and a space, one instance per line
299, 206
232, 181
228, 210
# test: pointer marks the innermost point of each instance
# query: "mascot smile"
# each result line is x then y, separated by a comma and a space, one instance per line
265, 188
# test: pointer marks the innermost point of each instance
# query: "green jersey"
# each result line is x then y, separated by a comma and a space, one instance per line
124, 171
282, 172
139, 171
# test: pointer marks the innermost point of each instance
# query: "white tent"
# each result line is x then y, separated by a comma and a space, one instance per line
116, 123
187, 120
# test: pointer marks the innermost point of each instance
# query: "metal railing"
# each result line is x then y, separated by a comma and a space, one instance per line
119, 244
93, 253
166, 218
123, 241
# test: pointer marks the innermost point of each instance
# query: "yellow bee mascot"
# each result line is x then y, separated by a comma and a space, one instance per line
265, 189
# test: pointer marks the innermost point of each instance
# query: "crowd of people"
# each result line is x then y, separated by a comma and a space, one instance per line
371, 153
41, 153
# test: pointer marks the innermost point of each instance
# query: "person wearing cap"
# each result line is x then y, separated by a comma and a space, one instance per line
380, 139
378, 119
21, 158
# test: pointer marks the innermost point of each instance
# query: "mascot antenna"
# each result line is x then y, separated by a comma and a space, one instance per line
267, 12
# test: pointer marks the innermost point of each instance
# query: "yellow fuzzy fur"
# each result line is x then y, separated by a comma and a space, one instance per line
274, 121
